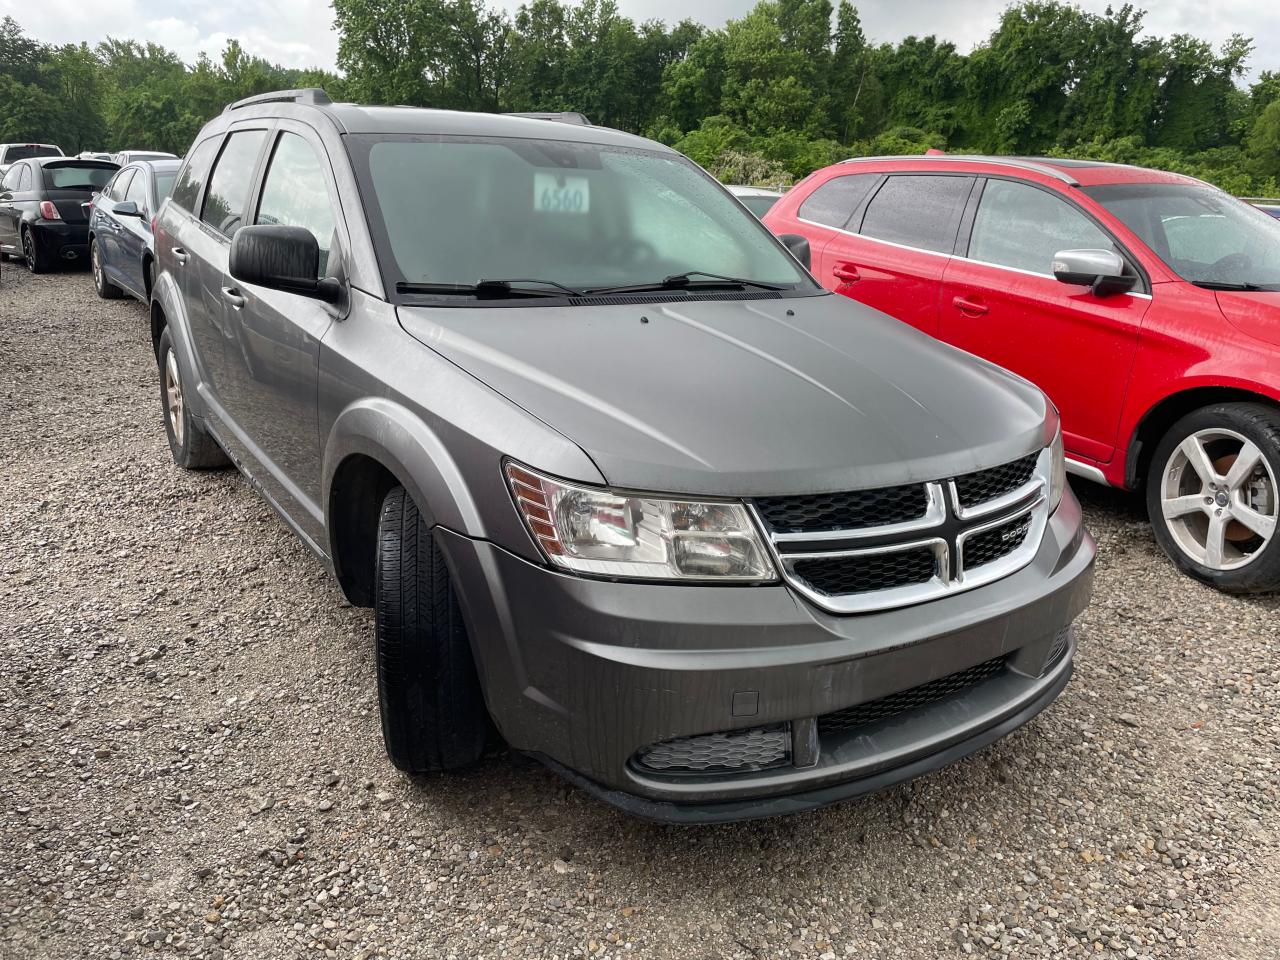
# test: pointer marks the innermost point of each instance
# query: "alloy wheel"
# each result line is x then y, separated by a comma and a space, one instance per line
97, 266
1219, 498
29, 251
173, 396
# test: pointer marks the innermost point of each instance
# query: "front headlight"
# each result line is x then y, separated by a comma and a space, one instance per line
1057, 471
611, 534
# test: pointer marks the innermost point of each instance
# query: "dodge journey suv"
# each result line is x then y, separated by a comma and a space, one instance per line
617, 476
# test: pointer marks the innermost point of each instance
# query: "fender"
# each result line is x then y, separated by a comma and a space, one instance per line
390, 434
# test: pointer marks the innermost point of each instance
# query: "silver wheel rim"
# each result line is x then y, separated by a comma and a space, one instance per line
173, 396
29, 251
97, 267
1218, 494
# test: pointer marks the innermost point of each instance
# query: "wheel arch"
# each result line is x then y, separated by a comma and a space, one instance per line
375, 445
1169, 410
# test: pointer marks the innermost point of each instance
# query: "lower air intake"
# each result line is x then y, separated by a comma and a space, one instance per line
735, 751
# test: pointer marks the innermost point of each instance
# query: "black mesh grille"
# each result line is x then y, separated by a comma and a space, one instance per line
996, 543
843, 511
735, 751
976, 488
836, 576
916, 697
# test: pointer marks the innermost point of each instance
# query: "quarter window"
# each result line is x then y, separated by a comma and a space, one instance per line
918, 211
1024, 227
187, 190
295, 193
835, 201
24, 185
231, 181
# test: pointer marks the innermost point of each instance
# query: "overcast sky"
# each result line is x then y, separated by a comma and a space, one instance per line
300, 32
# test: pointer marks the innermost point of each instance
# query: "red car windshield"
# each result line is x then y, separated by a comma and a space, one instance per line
1205, 236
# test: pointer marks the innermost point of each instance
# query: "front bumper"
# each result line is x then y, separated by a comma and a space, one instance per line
585, 673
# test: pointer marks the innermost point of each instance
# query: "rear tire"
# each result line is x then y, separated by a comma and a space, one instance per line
192, 446
1219, 525
432, 707
105, 288
33, 252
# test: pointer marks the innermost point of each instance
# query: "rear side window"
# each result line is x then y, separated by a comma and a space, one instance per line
187, 190
1023, 227
833, 203
918, 211
11, 179
231, 181
294, 193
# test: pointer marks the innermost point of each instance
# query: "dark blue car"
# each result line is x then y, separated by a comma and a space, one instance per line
121, 248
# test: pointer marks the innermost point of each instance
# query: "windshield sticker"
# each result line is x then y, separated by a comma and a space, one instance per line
556, 193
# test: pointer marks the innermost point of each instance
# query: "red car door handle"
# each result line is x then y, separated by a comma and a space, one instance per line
970, 308
846, 272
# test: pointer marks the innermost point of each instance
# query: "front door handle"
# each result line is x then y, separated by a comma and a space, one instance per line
232, 296
846, 273
970, 308
180, 255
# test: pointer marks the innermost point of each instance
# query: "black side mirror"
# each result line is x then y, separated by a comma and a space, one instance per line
281, 258
1103, 270
798, 245
126, 208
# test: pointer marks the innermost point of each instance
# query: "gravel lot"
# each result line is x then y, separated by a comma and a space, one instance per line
191, 762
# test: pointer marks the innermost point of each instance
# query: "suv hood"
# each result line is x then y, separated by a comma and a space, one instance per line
737, 398
1257, 314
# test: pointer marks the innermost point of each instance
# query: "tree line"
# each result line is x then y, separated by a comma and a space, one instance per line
791, 86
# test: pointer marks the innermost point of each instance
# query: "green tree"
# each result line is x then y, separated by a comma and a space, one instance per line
1264, 143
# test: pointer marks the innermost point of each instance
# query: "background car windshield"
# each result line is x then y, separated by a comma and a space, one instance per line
26, 153
1203, 234
74, 177
457, 210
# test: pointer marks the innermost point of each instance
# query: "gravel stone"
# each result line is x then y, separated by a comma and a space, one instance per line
184, 689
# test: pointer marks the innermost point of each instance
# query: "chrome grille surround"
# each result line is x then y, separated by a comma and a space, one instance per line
944, 529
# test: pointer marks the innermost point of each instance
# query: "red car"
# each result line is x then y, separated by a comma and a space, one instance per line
1146, 304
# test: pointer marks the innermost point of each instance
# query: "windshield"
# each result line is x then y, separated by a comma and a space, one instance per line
73, 176
1202, 234
29, 151
458, 210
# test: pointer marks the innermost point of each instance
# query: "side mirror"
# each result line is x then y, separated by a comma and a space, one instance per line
798, 245
281, 258
1103, 270
126, 208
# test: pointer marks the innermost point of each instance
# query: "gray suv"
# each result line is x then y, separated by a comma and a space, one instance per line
617, 476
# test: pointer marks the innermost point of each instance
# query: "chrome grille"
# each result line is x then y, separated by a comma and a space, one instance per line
859, 551
895, 703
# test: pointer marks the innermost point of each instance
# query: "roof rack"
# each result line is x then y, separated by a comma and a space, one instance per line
567, 116
1031, 165
312, 95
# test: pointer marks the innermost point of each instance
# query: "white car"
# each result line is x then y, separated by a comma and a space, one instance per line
756, 199
12, 152
128, 156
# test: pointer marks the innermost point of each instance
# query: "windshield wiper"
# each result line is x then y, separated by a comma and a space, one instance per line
685, 281
489, 289
1224, 285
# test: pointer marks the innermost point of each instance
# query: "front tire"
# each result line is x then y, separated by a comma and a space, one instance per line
1213, 497
105, 288
192, 447
432, 708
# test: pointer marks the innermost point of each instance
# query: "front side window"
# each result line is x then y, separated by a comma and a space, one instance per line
231, 181
295, 193
921, 211
1023, 227
835, 201
456, 210
119, 185
163, 185
1205, 236
76, 176
186, 191
137, 191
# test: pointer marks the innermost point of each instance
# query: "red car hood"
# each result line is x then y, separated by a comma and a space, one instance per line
1257, 314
